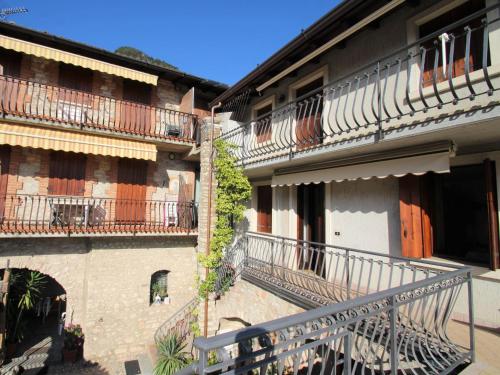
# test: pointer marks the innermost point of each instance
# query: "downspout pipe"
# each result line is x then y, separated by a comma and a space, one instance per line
209, 211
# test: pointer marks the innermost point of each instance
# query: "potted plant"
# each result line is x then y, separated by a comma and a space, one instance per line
159, 293
172, 355
73, 343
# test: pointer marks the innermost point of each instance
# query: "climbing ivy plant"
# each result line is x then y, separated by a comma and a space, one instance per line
232, 192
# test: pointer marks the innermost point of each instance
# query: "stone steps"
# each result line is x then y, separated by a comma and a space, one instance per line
34, 359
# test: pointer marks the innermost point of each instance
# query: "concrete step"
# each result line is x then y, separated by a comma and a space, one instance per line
479, 368
145, 364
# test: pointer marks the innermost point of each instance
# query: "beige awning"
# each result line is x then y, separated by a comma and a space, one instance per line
61, 140
74, 59
417, 165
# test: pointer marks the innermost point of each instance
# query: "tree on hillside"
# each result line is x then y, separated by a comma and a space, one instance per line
136, 54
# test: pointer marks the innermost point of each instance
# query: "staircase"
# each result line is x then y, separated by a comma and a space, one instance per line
43, 353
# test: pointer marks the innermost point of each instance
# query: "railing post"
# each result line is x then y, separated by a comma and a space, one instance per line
472, 339
272, 257
348, 282
393, 335
347, 353
202, 362
379, 106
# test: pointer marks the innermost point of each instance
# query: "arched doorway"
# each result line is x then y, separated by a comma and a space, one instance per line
35, 314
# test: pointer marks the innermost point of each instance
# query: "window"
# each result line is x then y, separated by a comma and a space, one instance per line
67, 173
137, 92
308, 131
74, 95
75, 78
264, 209
263, 127
458, 63
158, 290
10, 63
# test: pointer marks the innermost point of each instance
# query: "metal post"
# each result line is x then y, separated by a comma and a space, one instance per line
348, 282
393, 335
379, 109
347, 353
272, 256
472, 339
202, 362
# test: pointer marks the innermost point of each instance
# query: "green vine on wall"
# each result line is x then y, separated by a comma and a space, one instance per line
232, 192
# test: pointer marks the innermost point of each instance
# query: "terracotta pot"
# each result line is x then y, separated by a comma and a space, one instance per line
70, 356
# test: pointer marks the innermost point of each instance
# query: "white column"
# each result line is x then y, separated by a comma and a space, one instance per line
292, 215
329, 237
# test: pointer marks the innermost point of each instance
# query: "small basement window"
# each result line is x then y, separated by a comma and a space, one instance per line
158, 290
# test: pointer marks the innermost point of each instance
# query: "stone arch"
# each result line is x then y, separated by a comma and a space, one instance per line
66, 270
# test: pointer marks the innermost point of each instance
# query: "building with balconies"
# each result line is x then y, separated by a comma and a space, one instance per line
372, 144
99, 182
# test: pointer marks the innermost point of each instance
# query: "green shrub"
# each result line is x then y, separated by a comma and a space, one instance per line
172, 356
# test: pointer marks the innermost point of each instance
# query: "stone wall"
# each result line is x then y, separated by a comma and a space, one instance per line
107, 281
249, 303
29, 174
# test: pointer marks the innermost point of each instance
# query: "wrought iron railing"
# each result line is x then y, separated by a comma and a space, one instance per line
60, 105
407, 87
378, 313
180, 323
40, 214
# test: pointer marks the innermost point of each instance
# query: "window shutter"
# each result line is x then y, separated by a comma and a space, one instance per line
67, 174
264, 209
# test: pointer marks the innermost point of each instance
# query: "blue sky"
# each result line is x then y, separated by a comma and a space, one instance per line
217, 39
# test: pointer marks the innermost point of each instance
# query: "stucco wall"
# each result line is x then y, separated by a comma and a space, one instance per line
107, 282
366, 215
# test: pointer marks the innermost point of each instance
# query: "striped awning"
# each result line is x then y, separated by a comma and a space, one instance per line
61, 140
74, 59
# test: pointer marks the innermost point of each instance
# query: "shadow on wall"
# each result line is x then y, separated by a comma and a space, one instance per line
11, 247
371, 208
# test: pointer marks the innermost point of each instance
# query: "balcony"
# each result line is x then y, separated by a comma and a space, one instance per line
58, 106
28, 215
367, 312
424, 86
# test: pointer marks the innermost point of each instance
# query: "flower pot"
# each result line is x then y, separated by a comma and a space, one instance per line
70, 356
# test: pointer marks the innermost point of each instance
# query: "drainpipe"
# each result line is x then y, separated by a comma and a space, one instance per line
209, 218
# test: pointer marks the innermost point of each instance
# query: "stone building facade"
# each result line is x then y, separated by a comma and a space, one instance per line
127, 131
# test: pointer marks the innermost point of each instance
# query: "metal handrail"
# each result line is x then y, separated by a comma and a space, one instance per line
403, 87
399, 321
179, 322
24, 213
59, 105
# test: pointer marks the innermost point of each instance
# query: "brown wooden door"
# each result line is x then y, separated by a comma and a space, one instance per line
135, 110
4, 175
308, 129
311, 227
76, 90
415, 216
131, 191
263, 126
492, 203
264, 209
67, 173
458, 63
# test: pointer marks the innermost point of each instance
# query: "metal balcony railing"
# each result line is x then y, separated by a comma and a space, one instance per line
39, 214
426, 79
378, 313
58, 105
